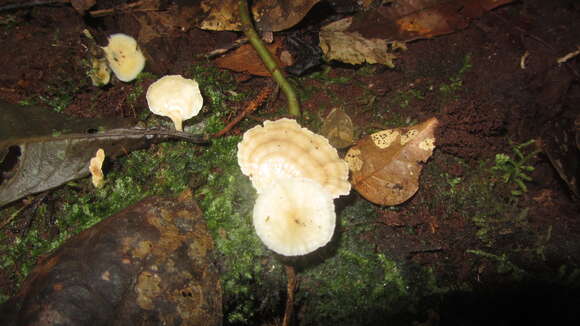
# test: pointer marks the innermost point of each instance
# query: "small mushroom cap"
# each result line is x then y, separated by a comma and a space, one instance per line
124, 57
284, 149
295, 216
175, 97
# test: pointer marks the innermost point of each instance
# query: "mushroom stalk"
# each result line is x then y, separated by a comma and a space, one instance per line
291, 288
269, 62
177, 121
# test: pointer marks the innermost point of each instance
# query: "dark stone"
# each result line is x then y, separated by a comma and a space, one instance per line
150, 264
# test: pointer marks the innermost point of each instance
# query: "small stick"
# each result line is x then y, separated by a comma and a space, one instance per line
234, 45
31, 4
105, 12
291, 274
568, 56
250, 107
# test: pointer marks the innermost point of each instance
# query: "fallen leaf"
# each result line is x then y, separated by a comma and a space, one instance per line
352, 48
338, 129
385, 166
269, 15
19, 121
245, 59
155, 23
41, 149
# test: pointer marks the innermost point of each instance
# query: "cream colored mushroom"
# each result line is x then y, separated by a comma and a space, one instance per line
96, 168
124, 57
175, 97
282, 149
295, 216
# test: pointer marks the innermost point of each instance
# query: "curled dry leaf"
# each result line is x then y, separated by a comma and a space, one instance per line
351, 47
385, 165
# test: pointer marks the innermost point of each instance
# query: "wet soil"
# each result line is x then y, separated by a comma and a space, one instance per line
513, 91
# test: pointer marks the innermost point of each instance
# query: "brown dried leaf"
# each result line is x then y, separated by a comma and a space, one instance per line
338, 129
269, 15
407, 20
245, 59
154, 23
351, 47
385, 166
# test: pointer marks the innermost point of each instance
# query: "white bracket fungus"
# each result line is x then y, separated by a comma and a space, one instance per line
175, 97
297, 174
284, 149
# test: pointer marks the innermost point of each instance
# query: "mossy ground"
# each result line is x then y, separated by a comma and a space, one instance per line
463, 230
253, 278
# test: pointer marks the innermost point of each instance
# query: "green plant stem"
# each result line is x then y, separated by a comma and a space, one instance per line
268, 59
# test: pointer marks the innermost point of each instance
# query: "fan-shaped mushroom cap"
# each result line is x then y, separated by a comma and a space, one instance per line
284, 149
295, 216
175, 97
124, 57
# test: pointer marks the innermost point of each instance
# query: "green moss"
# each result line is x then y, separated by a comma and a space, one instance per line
475, 196
137, 91
405, 98
354, 284
513, 169
219, 91
503, 264
455, 83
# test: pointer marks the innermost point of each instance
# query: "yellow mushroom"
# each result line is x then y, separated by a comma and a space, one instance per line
124, 57
96, 168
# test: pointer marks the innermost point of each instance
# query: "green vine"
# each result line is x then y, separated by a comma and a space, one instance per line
269, 62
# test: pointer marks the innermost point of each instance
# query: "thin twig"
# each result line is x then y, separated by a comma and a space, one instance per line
234, 45
33, 205
538, 39
250, 107
291, 274
110, 11
32, 4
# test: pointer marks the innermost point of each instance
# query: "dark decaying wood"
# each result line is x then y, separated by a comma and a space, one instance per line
150, 264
